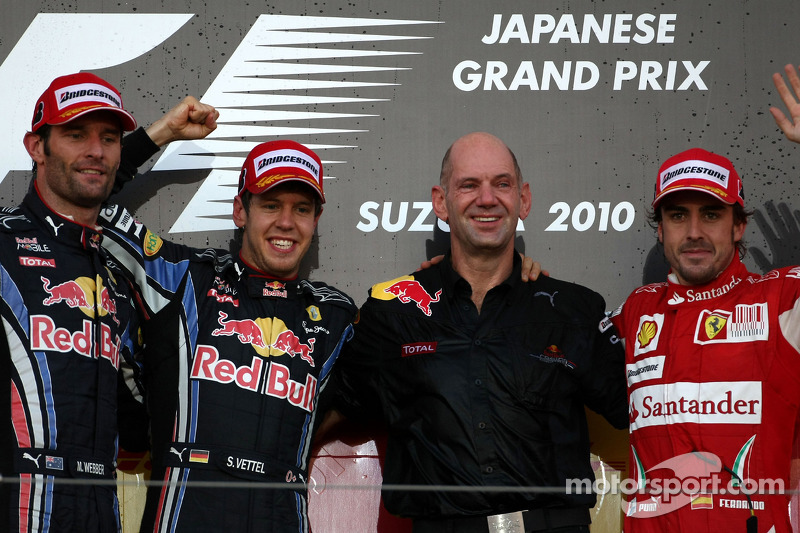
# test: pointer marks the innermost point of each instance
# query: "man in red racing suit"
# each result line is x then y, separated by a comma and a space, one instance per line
713, 366
713, 369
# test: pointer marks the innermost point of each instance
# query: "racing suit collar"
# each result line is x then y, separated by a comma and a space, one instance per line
59, 227
261, 285
726, 281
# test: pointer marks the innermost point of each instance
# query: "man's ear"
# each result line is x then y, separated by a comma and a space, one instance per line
438, 200
34, 144
526, 200
738, 231
239, 213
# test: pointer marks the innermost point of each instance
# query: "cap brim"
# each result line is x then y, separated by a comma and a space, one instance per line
704, 189
295, 178
126, 119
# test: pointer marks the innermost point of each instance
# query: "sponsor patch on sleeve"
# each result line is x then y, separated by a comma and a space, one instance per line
648, 333
152, 243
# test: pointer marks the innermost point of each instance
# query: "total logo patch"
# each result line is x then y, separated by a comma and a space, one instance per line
415, 348
648, 333
37, 261
222, 297
745, 324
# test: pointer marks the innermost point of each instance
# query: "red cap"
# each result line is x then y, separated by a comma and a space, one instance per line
699, 170
74, 95
275, 162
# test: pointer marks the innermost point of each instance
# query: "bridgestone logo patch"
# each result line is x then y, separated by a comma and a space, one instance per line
85, 92
694, 170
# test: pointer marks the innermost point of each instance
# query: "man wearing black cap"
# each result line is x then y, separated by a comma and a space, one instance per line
713, 360
238, 350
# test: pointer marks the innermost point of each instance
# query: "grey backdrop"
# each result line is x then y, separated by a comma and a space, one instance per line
378, 100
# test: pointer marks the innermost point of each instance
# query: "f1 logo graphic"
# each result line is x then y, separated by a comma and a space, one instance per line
62, 43
283, 62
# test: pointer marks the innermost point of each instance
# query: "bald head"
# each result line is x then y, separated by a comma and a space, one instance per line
468, 144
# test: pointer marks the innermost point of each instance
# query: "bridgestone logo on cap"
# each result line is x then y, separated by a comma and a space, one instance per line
286, 158
86, 92
694, 170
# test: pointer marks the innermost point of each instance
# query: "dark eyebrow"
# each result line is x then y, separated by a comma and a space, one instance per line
674, 207
705, 208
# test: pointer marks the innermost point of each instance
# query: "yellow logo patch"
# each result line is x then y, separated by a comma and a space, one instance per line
152, 243
714, 323
313, 313
647, 333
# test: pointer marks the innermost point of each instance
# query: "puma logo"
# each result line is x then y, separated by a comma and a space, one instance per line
550, 296
176, 452
55, 228
35, 460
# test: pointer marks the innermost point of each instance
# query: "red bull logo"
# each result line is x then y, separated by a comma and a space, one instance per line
290, 344
260, 331
246, 330
108, 304
208, 365
275, 288
80, 294
70, 292
280, 385
45, 336
412, 291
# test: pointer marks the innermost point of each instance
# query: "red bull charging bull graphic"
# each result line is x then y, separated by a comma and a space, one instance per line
80, 294
70, 292
254, 332
407, 290
77, 294
246, 330
289, 343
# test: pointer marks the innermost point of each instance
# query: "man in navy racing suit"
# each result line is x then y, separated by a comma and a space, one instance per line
239, 350
69, 326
